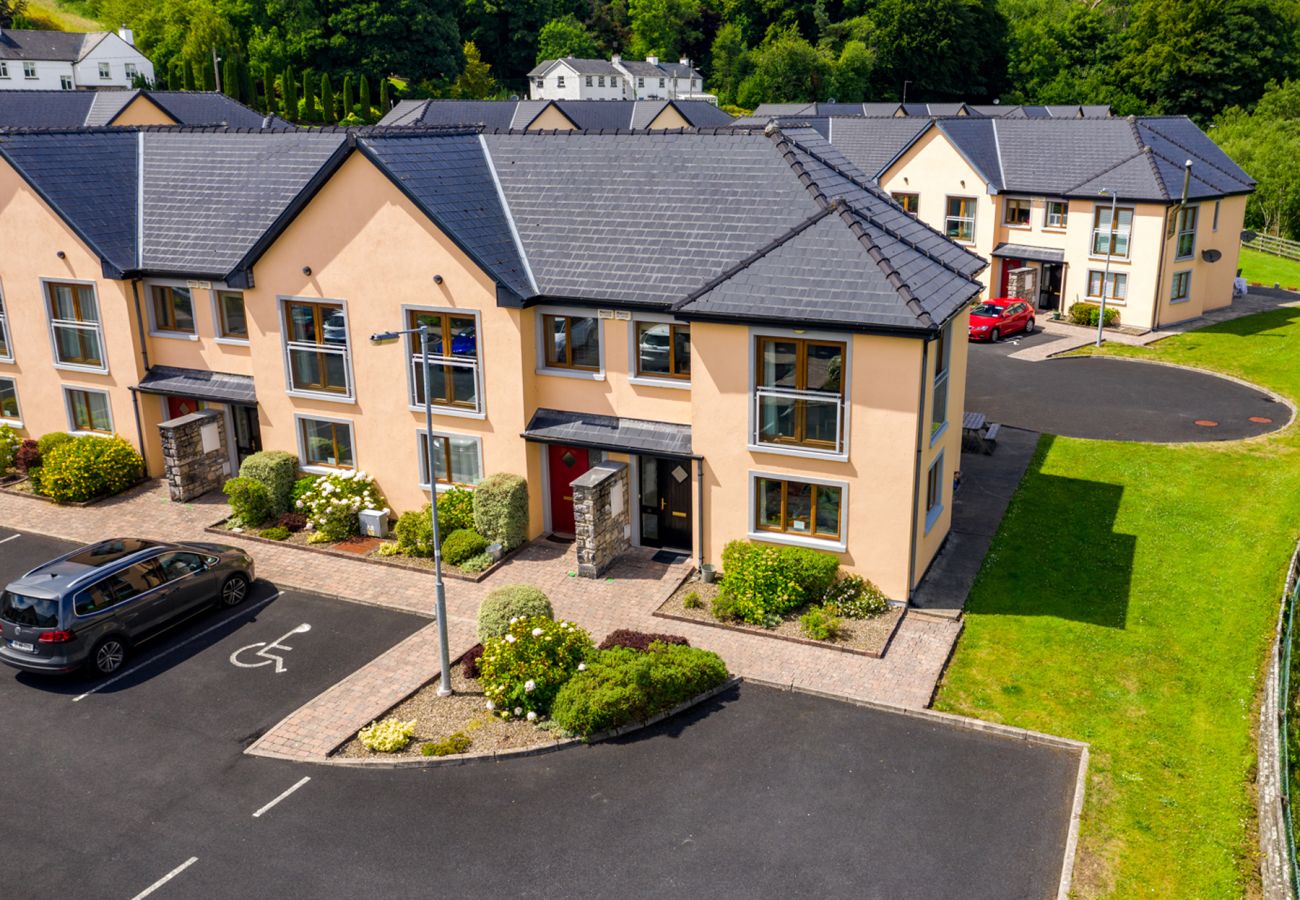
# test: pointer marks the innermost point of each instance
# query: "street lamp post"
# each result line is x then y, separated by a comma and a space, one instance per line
439, 589
1105, 276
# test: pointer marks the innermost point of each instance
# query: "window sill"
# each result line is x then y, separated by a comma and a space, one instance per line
1110, 301
1191, 257
580, 374
1018, 227
679, 384
73, 367
174, 335
12, 423
1054, 229
452, 411
313, 469
322, 395
795, 540
806, 453
232, 342
76, 433
938, 433
444, 488
6, 360
1114, 259
932, 516
1175, 301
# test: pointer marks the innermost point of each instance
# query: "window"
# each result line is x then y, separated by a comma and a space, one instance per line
88, 411
1182, 287
317, 347
65, 82
1214, 223
613, 81
326, 443
640, 81
232, 320
6, 351
663, 350
960, 222
799, 398
9, 400
74, 322
933, 493
798, 508
120, 587
661, 82
939, 405
1058, 213
29, 70
910, 202
104, 72
455, 459
1108, 239
588, 81
4, 69
559, 81
131, 71
453, 359
179, 563
572, 342
1116, 286
600, 81
1186, 232
173, 309
1016, 212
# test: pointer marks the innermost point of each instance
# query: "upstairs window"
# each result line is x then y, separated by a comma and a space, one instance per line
640, 82
316, 342
131, 71
453, 360
559, 81
613, 81
105, 72
6, 349
1214, 224
939, 405
29, 70
933, 493
663, 350
959, 224
1016, 212
1111, 237
910, 202
1058, 212
661, 82
1186, 232
232, 319
571, 342
799, 397
65, 82
4, 69
600, 81
75, 326
173, 309
588, 81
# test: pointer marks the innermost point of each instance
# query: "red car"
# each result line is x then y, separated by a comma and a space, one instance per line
999, 317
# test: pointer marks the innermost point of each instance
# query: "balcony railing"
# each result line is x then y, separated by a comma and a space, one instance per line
454, 380
811, 420
1102, 237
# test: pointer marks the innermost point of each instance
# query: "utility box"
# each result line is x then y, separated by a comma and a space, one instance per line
374, 523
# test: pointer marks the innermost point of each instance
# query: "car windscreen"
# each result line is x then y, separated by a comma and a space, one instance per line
19, 609
986, 309
109, 551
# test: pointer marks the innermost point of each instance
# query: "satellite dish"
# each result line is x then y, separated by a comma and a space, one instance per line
1248, 236
1211, 255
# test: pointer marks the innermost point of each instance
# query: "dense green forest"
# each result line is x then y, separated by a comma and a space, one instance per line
348, 60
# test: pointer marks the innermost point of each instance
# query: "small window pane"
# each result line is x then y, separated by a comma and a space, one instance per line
654, 347
682, 349
769, 503
179, 564
234, 321
798, 507
586, 343
8, 399
828, 510
327, 443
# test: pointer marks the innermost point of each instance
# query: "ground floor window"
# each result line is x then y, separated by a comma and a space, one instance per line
1182, 287
934, 492
457, 459
325, 442
798, 508
9, 399
88, 411
1116, 286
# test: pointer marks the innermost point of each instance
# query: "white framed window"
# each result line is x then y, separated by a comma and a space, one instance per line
457, 459
89, 411
570, 343
9, 410
613, 81
1181, 287
1116, 286
1186, 247
131, 71
934, 492
808, 512
588, 81
559, 81
640, 81
1016, 212
600, 81
65, 82
75, 328
661, 82
799, 393
6, 348
318, 362
325, 445
105, 72
171, 310
1108, 236
1214, 223
455, 361
959, 223
1057, 214
939, 396
4, 69
29, 70
230, 316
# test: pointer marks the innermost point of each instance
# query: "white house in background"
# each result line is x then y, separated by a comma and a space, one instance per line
62, 60
616, 79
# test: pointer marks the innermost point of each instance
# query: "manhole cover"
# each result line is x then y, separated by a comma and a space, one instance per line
1261, 420
1207, 423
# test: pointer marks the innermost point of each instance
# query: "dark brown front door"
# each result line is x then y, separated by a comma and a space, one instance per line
665, 502
566, 464
248, 432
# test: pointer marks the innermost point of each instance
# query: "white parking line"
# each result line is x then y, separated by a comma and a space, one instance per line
166, 878
10, 538
301, 782
144, 662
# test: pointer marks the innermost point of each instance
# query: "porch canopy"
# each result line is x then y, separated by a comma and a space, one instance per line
217, 387
1032, 254
641, 436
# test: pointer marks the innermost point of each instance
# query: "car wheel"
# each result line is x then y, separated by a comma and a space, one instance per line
993, 336
234, 590
1029, 327
108, 655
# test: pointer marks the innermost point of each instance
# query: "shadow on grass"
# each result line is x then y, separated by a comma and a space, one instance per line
1057, 552
1257, 323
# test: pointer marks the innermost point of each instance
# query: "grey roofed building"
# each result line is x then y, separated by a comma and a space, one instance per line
33, 44
581, 66
767, 111
589, 115
89, 109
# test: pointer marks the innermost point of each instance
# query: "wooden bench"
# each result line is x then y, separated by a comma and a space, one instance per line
990, 438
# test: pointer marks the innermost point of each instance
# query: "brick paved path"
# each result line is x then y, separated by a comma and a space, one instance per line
636, 586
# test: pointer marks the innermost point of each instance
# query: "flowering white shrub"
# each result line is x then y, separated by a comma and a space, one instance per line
522, 670
387, 736
332, 504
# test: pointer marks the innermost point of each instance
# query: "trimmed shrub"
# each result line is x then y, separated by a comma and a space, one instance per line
821, 624
462, 544
275, 469
9, 444
773, 581
692, 601
292, 522
28, 456
853, 597
457, 742
455, 511
479, 562
621, 686
469, 661
302, 487
87, 467
274, 533
724, 607
1086, 314
510, 601
415, 532
501, 509
249, 500
524, 669
47, 442
639, 640
387, 736
333, 503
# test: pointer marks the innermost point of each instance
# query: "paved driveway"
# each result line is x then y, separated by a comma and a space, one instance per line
1112, 399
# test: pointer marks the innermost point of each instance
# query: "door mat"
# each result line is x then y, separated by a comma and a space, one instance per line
669, 557
556, 539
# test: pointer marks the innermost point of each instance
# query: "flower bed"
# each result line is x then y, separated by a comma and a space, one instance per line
21, 486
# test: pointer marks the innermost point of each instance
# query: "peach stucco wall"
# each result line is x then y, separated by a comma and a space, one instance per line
142, 112
669, 118
552, 118
934, 169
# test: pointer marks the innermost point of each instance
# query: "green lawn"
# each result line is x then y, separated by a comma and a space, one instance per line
1128, 601
59, 16
1268, 269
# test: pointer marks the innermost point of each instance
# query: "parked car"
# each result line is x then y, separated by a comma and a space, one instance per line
93, 606
999, 317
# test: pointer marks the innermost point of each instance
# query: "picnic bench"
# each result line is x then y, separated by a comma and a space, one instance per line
977, 434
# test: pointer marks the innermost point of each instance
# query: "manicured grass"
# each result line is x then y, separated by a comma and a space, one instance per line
1268, 269
1128, 601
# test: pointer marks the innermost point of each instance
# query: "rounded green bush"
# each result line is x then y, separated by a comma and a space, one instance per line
501, 509
854, 597
510, 601
461, 545
47, 442
250, 501
415, 533
277, 470
275, 533
87, 467
455, 511
522, 670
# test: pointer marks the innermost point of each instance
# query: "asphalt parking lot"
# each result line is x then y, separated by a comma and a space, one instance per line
1112, 399
759, 793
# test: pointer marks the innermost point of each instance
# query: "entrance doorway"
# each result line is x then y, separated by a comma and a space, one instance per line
564, 465
665, 488
1007, 266
248, 433
182, 406
1050, 286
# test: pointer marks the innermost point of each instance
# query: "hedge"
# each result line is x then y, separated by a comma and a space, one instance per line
249, 500
763, 581
462, 544
87, 467
501, 509
1086, 314
277, 470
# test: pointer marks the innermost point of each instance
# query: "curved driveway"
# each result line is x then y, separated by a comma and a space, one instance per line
1113, 399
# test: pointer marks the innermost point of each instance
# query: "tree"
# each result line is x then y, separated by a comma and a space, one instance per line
476, 82
289, 94
661, 27
363, 96
10, 10
730, 63
268, 89
173, 79
187, 76
384, 103
1266, 143
418, 38
787, 69
247, 89
230, 77
507, 31
348, 106
566, 36
327, 100
947, 49
308, 97
853, 71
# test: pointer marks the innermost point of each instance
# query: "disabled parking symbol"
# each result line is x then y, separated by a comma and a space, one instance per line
262, 651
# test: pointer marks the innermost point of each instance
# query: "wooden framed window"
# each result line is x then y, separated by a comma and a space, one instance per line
88, 411
1116, 286
959, 223
316, 342
799, 395
173, 309
232, 318
663, 350
1186, 232
798, 508
1057, 214
326, 443
911, 203
1181, 287
1016, 212
457, 459
74, 324
571, 342
453, 359
9, 400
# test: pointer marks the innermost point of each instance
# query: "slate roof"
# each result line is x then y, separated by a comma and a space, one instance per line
489, 113
642, 68
872, 143
554, 426
104, 107
589, 115
75, 109
46, 109
680, 70
61, 46
766, 111
209, 108
585, 66
1025, 251
220, 387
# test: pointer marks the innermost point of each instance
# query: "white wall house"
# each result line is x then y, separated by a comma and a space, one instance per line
58, 60
616, 79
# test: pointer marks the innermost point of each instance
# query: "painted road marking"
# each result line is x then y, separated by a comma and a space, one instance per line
10, 538
301, 782
267, 656
166, 878
103, 684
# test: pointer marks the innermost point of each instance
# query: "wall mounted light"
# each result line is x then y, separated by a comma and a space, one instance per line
963, 184
61, 255
306, 270
437, 279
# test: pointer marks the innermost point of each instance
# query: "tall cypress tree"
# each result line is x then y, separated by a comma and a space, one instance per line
173, 80
289, 90
308, 98
209, 79
247, 89
384, 104
327, 99
347, 98
187, 76
230, 78
268, 88
364, 97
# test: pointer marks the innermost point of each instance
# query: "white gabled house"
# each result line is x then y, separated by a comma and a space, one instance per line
616, 79
56, 60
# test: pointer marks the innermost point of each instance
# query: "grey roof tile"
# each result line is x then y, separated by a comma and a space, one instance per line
554, 426
18, 43
872, 143
46, 109
105, 106
209, 108
221, 387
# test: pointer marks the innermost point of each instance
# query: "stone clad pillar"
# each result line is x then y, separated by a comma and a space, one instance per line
195, 455
1022, 283
602, 516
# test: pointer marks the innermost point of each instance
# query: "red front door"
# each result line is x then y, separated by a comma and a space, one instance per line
567, 463
181, 406
1007, 266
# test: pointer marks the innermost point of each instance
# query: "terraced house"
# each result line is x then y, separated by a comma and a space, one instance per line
755, 329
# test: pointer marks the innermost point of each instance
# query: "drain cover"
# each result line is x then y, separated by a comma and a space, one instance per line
1207, 423
1261, 420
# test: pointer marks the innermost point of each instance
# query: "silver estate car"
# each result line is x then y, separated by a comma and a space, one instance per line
90, 607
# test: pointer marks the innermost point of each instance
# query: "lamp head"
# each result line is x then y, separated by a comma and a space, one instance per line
384, 337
